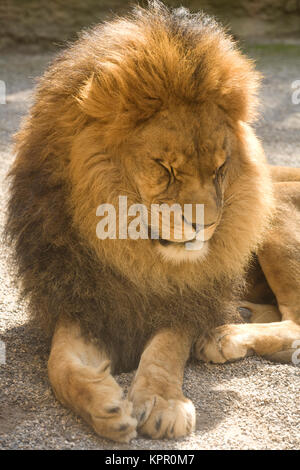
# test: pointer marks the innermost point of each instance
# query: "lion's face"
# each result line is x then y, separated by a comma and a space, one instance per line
166, 120
182, 157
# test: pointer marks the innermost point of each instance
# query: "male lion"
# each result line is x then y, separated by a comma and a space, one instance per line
155, 107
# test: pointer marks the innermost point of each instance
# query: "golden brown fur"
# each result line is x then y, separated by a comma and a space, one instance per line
128, 103
272, 299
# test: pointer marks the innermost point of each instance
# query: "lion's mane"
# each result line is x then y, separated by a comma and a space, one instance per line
94, 95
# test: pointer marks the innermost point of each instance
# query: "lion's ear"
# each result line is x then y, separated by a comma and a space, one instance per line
238, 94
95, 99
240, 102
85, 98
236, 104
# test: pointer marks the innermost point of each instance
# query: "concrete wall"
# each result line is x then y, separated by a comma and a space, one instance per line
49, 23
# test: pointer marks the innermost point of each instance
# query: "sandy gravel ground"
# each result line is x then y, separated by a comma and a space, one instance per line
251, 404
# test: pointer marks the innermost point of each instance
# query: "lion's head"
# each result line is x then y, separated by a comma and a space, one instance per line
170, 99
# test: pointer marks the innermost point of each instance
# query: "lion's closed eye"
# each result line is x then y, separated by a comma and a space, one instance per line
220, 172
166, 171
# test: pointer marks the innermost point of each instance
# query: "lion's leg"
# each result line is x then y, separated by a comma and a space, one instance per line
156, 392
284, 173
279, 257
276, 341
79, 373
281, 265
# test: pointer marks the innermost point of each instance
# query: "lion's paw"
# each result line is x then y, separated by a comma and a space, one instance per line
227, 343
117, 423
161, 418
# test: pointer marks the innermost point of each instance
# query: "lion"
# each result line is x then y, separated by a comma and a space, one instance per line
156, 106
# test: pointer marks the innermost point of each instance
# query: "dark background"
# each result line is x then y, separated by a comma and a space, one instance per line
49, 23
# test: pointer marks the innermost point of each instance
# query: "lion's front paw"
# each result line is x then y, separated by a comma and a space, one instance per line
164, 418
117, 422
